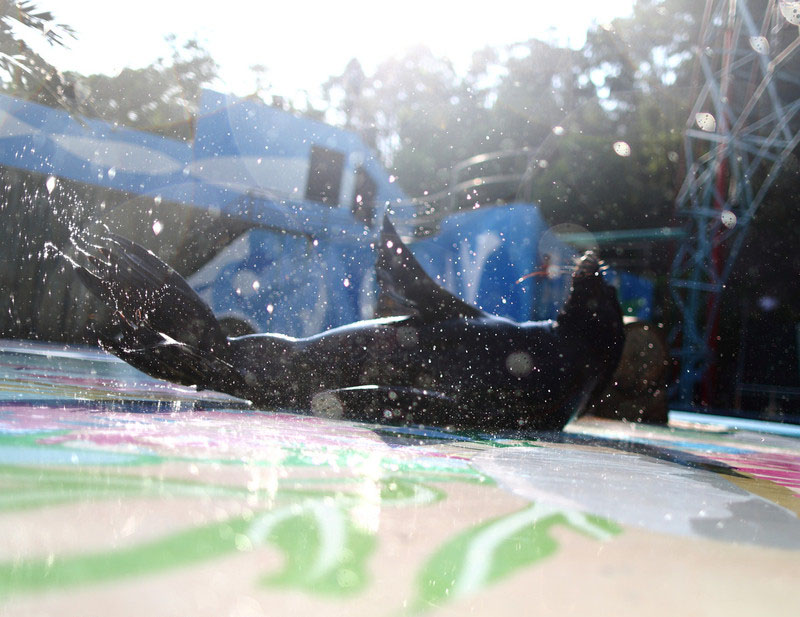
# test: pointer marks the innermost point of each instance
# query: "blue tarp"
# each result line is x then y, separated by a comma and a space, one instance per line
287, 283
247, 159
479, 255
306, 266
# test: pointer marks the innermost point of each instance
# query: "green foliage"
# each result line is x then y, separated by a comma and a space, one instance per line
161, 98
640, 56
23, 72
566, 106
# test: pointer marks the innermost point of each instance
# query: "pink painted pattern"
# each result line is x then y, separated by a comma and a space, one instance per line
778, 468
229, 435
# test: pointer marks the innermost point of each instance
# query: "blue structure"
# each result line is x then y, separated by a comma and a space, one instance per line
280, 282
310, 199
481, 254
247, 160
741, 130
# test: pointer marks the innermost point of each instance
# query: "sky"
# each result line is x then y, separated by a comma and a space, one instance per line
303, 43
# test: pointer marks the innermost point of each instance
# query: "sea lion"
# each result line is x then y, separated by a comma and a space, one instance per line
444, 362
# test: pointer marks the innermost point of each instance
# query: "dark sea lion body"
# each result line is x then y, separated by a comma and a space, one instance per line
444, 362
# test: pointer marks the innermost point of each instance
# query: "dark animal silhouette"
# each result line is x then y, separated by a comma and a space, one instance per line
444, 362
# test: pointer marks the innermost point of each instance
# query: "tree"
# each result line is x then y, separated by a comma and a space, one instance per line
544, 86
407, 109
162, 98
23, 72
345, 94
646, 54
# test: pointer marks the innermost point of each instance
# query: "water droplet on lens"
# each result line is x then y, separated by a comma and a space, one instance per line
622, 148
759, 44
728, 219
791, 11
519, 363
706, 122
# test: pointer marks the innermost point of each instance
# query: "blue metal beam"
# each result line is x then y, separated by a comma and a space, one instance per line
758, 132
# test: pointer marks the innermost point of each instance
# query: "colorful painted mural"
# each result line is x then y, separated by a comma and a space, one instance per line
128, 495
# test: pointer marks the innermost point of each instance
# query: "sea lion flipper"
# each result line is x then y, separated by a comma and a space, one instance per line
140, 288
402, 278
158, 323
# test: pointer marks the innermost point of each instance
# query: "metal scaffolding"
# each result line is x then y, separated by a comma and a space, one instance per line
740, 131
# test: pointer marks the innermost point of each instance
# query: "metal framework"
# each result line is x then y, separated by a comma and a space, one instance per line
740, 131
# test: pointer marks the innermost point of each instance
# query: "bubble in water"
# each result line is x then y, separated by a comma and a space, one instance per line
622, 148
706, 122
760, 44
270, 308
112, 173
728, 219
157, 200
158, 226
558, 130
50, 183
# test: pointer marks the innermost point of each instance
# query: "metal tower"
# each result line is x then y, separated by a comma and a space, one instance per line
742, 127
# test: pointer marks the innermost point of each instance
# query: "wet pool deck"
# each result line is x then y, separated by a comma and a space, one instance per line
124, 495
